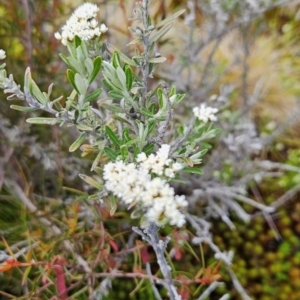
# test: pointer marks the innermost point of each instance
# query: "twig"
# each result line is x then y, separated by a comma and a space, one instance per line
154, 289
28, 41
285, 197
266, 215
210, 289
144, 62
238, 285
159, 247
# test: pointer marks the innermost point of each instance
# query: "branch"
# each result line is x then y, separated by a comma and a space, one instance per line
159, 247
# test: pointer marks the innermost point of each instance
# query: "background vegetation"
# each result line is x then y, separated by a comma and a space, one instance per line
252, 68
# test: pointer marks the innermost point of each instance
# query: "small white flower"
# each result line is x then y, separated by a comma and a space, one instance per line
57, 35
103, 28
2, 54
141, 157
94, 23
169, 172
205, 113
177, 166
157, 168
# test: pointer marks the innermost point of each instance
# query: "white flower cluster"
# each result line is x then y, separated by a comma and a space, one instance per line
2, 54
160, 164
134, 185
82, 23
205, 113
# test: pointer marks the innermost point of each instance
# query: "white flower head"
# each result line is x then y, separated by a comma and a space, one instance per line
82, 23
205, 113
2, 54
134, 184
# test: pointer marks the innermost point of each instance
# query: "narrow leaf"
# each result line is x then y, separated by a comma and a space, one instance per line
157, 60
125, 135
146, 112
36, 92
71, 77
170, 18
49, 121
124, 152
84, 127
111, 153
23, 108
91, 181
118, 118
27, 77
89, 65
72, 49
93, 96
121, 76
113, 203
112, 136
78, 142
112, 107
77, 41
156, 36
67, 61
129, 78
96, 160
77, 66
25, 275
193, 170
80, 84
116, 60
149, 149
97, 66
115, 95
151, 126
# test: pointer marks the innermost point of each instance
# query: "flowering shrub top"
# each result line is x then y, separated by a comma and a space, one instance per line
139, 150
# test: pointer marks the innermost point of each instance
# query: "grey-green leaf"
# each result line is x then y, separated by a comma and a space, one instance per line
121, 76
91, 181
71, 77
78, 142
170, 19
49, 121
84, 127
156, 36
23, 108
157, 60
93, 96
80, 84
36, 92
